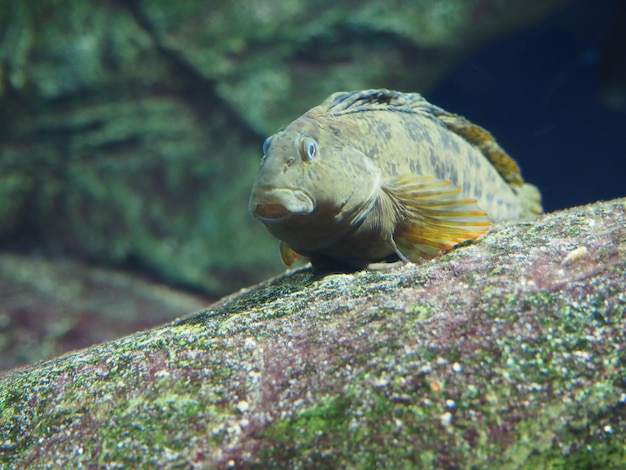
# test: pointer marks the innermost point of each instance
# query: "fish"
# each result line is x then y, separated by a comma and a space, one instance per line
379, 175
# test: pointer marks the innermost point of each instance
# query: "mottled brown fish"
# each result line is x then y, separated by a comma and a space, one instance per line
378, 175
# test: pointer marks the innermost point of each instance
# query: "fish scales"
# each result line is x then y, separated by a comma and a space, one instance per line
429, 148
378, 174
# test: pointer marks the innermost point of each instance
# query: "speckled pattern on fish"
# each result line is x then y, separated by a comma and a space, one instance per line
378, 175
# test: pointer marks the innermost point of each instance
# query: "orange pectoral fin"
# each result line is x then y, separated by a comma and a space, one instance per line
427, 241
287, 255
434, 216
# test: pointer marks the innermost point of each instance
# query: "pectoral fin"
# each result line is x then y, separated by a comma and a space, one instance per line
433, 216
287, 255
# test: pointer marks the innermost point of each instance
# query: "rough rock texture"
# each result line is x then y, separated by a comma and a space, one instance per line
130, 130
506, 353
52, 305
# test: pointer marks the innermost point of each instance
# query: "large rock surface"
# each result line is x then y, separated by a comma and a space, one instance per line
131, 130
506, 353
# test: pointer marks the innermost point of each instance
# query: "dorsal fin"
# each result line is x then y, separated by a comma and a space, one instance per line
370, 100
382, 99
485, 142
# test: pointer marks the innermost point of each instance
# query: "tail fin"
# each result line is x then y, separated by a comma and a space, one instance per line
530, 198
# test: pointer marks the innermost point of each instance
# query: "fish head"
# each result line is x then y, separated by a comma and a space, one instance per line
312, 184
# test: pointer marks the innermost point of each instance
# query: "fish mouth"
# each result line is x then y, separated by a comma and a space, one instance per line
273, 205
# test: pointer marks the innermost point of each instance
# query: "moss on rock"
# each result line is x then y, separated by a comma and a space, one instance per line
502, 353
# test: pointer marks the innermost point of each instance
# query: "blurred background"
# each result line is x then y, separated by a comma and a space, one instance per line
131, 131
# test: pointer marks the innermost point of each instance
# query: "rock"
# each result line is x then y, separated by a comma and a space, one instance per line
504, 353
52, 305
131, 131
273, 60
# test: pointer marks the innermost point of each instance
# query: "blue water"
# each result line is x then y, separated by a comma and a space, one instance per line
537, 91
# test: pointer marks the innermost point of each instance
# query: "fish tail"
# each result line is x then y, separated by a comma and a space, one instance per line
530, 197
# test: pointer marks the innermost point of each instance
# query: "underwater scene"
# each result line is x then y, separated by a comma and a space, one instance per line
304, 234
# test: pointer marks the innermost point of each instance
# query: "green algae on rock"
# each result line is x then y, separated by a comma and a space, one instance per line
497, 354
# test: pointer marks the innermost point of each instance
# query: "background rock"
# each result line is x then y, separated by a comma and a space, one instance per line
506, 353
52, 305
131, 130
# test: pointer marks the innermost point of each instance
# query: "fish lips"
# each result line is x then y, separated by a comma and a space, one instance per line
275, 205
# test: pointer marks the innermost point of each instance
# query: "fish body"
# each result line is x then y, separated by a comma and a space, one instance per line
376, 175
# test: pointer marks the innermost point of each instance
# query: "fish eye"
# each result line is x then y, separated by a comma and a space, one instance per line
308, 149
266, 144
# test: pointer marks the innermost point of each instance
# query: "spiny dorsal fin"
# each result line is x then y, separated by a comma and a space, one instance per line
371, 100
382, 99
